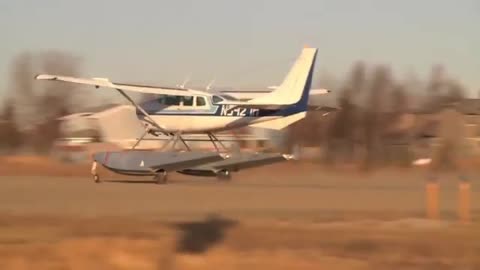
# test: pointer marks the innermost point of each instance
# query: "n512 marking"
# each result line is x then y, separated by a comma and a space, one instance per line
232, 110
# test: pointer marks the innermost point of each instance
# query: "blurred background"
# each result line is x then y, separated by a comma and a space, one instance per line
391, 67
404, 76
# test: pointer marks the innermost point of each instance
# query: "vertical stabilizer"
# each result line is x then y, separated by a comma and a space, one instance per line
295, 85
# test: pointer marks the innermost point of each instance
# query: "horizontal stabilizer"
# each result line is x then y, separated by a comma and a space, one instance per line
325, 109
321, 91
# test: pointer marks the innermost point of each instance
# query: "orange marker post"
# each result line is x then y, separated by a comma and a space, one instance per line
464, 215
432, 199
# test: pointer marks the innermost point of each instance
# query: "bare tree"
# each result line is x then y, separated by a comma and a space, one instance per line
437, 80
437, 87
343, 129
57, 98
21, 88
358, 78
456, 92
10, 135
399, 100
381, 83
39, 105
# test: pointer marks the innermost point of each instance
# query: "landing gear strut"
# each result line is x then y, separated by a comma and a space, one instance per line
214, 141
175, 137
161, 177
96, 178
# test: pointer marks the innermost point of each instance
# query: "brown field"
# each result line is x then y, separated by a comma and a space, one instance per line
289, 216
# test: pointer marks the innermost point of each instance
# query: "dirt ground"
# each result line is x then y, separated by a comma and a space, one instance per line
286, 216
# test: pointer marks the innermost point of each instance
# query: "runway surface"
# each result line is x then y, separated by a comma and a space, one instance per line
277, 217
261, 194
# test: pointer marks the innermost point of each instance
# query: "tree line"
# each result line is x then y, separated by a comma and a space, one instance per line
30, 110
370, 98
373, 105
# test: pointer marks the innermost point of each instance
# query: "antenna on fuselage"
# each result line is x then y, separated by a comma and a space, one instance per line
209, 86
187, 79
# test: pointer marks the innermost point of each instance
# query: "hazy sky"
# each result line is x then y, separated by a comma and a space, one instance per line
244, 43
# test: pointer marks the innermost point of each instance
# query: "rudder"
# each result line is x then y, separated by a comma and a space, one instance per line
296, 85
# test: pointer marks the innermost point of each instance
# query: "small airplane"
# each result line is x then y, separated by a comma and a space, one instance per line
181, 110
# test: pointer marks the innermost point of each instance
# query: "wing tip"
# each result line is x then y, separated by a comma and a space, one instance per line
100, 79
44, 77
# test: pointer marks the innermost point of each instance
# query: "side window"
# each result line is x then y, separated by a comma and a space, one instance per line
187, 101
172, 100
201, 101
217, 99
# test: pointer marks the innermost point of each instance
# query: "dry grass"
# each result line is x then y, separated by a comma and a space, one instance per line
115, 243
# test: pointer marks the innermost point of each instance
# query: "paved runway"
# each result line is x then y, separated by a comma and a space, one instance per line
265, 194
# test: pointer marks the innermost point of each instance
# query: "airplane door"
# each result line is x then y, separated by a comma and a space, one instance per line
187, 108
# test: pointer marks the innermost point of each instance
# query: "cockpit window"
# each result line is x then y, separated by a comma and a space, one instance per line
176, 100
217, 99
201, 101
172, 100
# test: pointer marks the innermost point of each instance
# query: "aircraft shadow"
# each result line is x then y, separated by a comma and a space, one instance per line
130, 181
198, 237
207, 182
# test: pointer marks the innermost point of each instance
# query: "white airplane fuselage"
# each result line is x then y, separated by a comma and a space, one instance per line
199, 114
204, 124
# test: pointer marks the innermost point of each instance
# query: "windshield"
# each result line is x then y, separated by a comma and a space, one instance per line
217, 99
175, 100
220, 98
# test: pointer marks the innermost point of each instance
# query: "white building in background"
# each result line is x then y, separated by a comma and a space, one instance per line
116, 127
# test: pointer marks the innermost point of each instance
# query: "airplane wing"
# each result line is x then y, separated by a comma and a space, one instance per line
247, 95
103, 82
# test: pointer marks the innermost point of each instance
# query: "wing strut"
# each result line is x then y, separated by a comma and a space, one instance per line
151, 121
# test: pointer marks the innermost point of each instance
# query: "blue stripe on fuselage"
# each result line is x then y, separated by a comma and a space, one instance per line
217, 110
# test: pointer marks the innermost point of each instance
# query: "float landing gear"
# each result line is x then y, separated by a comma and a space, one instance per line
160, 178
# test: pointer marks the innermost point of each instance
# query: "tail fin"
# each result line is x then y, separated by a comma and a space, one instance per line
294, 92
296, 85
